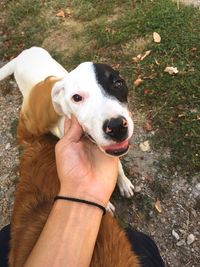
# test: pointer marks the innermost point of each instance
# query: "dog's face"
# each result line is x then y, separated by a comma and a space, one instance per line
97, 96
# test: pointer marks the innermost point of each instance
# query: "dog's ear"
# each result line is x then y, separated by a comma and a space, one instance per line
58, 99
57, 95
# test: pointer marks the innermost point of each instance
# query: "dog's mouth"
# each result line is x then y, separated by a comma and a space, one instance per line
117, 149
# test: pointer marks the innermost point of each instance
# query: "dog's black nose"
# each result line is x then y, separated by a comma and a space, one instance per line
116, 128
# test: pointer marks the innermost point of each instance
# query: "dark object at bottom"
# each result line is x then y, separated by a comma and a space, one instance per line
141, 244
4, 245
145, 248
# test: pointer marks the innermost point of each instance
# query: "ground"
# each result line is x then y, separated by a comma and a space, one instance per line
166, 205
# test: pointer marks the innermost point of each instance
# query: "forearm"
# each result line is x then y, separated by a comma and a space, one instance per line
68, 237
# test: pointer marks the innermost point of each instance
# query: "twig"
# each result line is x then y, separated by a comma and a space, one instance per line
178, 4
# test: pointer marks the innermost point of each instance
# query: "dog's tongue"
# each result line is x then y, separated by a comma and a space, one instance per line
116, 146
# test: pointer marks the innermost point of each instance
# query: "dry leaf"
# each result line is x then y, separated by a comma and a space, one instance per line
156, 61
109, 30
158, 206
68, 11
181, 115
147, 91
171, 70
194, 49
148, 178
60, 14
193, 110
145, 54
145, 146
141, 57
137, 58
156, 37
147, 127
137, 82
116, 66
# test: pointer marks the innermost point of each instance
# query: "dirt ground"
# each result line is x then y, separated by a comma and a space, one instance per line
175, 226
189, 2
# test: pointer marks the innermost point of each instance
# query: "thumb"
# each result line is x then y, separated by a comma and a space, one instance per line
73, 130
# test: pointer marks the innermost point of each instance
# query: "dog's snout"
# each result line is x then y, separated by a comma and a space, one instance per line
116, 128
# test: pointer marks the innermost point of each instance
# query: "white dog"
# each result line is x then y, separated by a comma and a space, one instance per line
94, 93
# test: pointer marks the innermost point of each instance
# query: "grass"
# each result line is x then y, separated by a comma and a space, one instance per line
111, 29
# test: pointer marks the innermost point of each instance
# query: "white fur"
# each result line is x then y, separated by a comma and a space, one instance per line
35, 64
126, 188
96, 106
31, 67
110, 208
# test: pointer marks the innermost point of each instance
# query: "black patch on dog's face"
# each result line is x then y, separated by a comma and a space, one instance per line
111, 82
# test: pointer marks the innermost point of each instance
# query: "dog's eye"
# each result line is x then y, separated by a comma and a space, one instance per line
118, 83
77, 98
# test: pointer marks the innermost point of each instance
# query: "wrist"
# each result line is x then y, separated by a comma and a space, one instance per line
82, 201
88, 195
78, 209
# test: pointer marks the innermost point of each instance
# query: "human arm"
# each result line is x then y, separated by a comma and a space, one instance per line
69, 235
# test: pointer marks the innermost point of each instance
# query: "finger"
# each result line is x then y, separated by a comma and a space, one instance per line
67, 125
75, 131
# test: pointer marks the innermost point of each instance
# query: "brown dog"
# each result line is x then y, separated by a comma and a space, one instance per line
37, 187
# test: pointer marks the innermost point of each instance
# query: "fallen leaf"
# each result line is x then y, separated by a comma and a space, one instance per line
194, 49
156, 37
181, 115
147, 91
158, 206
137, 58
109, 30
148, 178
61, 14
156, 61
137, 82
171, 70
116, 66
193, 110
68, 11
147, 126
145, 54
145, 146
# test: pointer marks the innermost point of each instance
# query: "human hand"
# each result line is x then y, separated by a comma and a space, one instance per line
84, 171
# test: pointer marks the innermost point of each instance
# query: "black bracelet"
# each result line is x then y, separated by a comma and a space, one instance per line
82, 201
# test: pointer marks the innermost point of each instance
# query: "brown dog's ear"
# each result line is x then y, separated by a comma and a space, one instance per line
57, 95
